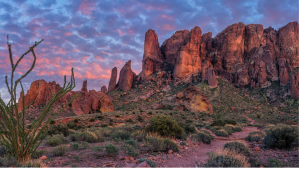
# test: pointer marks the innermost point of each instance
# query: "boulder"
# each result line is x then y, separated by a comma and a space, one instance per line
189, 56
152, 58
193, 100
126, 77
113, 80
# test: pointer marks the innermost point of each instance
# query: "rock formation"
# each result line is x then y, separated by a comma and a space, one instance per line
193, 100
152, 58
41, 92
113, 79
188, 60
84, 86
104, 89
211, 77
294, 87
126, 77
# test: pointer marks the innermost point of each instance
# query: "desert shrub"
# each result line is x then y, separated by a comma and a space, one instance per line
32, 164
255, 136
238, 129
281, 136
131, 151
140, 119
72, 125
129, 120
139, 135
188, 127
150, 112
150, 162
101, 139
203, 137
155, 143
74, 146
218, 122
38, 154
104, 125
117, 116
237, 147
130, 142
110, 123
221, 133
59, 129
123, 135
88, 136
57, 140
52, 122
224, 161
76, 120
170, 145
98, 148
258, 116
60, 150
3, 150
183, 143
229, 128
111, 149
100, 117
29, 126
137, 127
74, 137
164, 126
230, 121
274, 163
84, 145
92, 120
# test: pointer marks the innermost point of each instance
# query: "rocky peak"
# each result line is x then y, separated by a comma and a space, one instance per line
126, 77
84, 86
113, 79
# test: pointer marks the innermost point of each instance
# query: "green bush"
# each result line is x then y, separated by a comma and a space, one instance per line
229, 128
92, 120
131, 151
150, 162
104, 125
255, 136
140, 119
237, 147
60, 150
221, 133
203, 137
274, 163
150, 112
129, 120
164, 126
281, 136
155, 144
74, 146
38, 154
238, 129
59, 129
117, 116
123, 135
98, 148
74, 137
230, 121
183, 143
88, 136
100, 117
111, 149
130, 142
32, 164
258, 116
224, 161
170, 145
57, 140
218, 122
3, 150
72, 125
188, 127
76, 120
52, 122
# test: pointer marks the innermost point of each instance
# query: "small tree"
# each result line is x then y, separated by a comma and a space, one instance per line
20, 142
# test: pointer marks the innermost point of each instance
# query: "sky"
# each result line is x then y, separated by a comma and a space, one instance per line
93, 36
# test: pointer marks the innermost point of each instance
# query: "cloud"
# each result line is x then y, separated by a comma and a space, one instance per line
95, 36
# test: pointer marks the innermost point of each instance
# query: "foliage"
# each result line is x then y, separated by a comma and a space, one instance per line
150, 162
131, 151
170, 145
155, 143
164, 126
224, 161
60, 150
57, 140
188, 127
183, 143
59, 129
20, 142
203, 137
237, 147
38, 154
281, 136
130, 142
255, 136
221, 133
111, 149
230, 121
274, 163
88, 136
98, 148
123, 135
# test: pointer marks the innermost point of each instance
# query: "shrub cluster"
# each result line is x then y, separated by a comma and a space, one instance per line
156, 144
281, 136
221, 133
164, 126
237, 147
57, 140
59, 129
255, 136
131, 151
203, 136
60, 150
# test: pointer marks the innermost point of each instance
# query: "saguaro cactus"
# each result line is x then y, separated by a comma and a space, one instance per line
20, 142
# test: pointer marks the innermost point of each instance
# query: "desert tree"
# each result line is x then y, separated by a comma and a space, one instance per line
22, 142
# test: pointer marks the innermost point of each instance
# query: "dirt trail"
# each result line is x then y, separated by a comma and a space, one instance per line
196, 154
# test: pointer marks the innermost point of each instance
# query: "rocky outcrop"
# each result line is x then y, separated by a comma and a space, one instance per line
254, 37
193, 100
104, 89
152, 58
211, 77
126, 77
84, 86
41, 92
189, 56
171, 46
113, 79
294, 86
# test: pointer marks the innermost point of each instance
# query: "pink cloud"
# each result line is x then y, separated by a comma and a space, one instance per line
86, 7
120, 32
68, 34
168, 27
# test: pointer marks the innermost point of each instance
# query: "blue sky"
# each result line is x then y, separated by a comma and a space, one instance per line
95, 36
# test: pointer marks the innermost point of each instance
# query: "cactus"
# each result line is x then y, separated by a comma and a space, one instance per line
22, 143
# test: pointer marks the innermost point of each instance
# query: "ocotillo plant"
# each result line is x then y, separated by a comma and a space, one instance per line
20, 142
